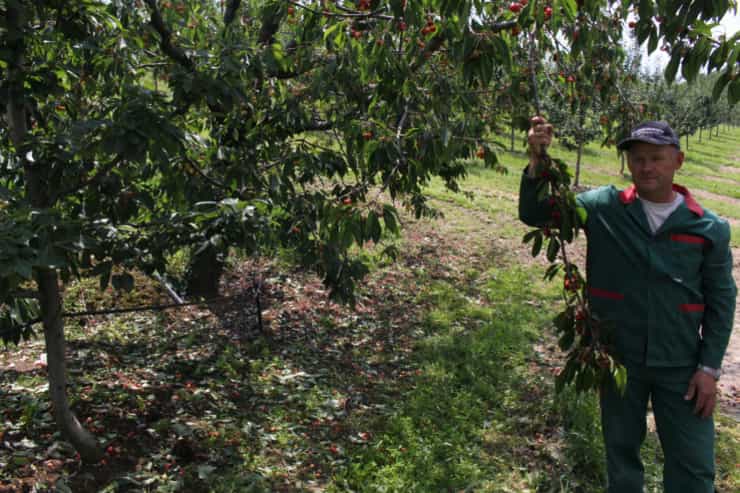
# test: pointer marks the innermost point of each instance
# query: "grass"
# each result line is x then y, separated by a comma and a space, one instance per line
453, 430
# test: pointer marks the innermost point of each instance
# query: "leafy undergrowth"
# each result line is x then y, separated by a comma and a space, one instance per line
440, 380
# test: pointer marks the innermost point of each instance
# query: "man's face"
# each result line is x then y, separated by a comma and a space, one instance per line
652, 167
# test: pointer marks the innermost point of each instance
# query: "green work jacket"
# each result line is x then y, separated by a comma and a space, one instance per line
670, 295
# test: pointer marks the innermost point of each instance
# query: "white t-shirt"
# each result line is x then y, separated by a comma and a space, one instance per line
658, 212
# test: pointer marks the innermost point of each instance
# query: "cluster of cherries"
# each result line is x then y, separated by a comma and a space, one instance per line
517, 7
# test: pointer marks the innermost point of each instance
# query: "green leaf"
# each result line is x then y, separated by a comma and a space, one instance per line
445, 136
537, 245
733, 92
552, 249
582, 215
373, 226
105, 277
563, 321
690, 65
551, 271
570, 9
672, 68
620, 378
566, 340
653, 42
389, 218
531, 235
720, 85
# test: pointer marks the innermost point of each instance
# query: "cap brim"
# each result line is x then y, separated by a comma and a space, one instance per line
626, 143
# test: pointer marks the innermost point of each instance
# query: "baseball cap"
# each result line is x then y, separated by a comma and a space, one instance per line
652, 132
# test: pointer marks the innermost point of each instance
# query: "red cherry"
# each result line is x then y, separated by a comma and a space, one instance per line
402, 26
515, 7
632, 24
548, 12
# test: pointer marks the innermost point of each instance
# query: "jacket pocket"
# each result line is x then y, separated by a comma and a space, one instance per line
685, 254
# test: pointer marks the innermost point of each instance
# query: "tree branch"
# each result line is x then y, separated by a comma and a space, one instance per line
16, 108
174, 52
496, 27
230, 13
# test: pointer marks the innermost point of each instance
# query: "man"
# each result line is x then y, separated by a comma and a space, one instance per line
659, 267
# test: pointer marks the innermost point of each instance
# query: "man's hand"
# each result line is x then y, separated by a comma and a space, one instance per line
703, 387
538, 138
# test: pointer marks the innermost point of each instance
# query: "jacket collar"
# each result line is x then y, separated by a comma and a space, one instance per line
628, 195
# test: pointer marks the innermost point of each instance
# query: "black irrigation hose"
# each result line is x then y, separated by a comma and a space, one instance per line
144, 308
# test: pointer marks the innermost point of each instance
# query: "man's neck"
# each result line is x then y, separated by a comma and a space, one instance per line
662, 199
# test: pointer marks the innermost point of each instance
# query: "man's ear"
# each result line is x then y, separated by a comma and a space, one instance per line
680, 156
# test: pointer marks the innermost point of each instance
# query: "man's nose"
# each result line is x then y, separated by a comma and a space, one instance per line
647, 165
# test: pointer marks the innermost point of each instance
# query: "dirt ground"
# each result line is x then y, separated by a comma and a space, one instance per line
729, 385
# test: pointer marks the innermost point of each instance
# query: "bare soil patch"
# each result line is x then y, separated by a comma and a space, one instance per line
720, 179
716, 196
730, 169
729, 385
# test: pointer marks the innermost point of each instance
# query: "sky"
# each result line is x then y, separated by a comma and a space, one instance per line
658, 60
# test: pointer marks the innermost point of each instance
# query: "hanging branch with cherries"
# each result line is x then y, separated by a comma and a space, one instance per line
586, 339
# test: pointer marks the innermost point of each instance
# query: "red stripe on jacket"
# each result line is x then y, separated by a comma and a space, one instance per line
692, 307
602, 293
689, 239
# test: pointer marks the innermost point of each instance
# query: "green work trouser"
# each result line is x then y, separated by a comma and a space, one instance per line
687, 440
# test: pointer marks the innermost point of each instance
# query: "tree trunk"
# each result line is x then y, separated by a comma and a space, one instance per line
512, 133
50, 299
578, 164
621, 169
51, 309
700, 129
204, 274
687, 142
